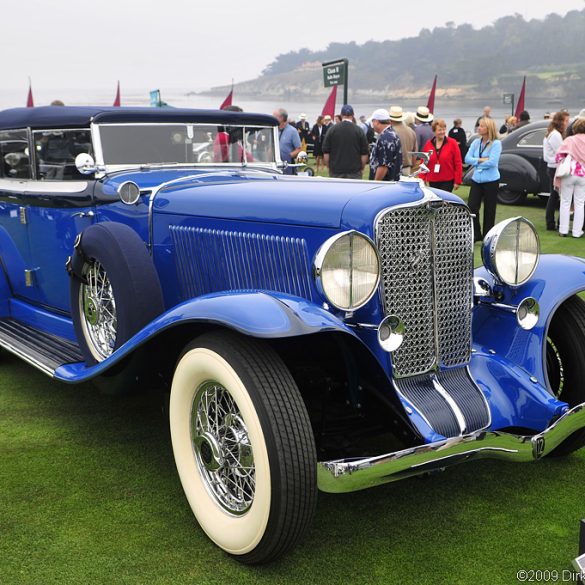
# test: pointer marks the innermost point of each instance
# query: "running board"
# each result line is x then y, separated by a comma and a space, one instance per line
42, 350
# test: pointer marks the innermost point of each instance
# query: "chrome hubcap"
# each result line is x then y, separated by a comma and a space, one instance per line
222, 448
98, 310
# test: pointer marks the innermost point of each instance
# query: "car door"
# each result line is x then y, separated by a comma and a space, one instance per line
15, 178
529, 146
60, 206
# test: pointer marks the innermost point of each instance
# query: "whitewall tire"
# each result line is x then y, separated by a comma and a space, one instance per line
243, 446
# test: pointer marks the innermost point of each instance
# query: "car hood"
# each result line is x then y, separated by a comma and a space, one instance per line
272, 198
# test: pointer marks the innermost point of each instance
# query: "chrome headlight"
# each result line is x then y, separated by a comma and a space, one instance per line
347, 268
511, 250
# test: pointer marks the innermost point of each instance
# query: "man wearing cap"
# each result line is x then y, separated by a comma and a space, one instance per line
424, 132
386, 159
345, 148
407, 138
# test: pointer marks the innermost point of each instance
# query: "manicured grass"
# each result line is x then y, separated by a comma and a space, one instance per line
89, 495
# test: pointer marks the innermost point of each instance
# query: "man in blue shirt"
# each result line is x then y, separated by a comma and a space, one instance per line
288, 139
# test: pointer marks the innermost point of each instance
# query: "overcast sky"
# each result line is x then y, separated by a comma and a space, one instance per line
195, 44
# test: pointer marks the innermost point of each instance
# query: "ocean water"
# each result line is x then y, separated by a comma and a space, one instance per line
467, 110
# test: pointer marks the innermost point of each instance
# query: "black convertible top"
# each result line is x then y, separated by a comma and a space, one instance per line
58, 117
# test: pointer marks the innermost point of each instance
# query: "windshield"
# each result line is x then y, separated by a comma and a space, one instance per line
144, 144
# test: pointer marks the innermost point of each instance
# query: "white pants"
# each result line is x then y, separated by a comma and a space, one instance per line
572, 189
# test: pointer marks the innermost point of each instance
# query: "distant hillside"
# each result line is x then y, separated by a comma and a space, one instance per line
469, 62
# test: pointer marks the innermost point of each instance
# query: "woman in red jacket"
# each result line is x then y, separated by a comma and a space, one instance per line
445, 165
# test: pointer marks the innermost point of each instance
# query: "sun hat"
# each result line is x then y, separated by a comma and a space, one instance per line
303, 116
396, 114
423, 114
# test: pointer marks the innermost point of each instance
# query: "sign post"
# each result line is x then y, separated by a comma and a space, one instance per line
336, 73
508, 99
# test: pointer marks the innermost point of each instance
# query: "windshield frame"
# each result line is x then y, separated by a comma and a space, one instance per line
275, 165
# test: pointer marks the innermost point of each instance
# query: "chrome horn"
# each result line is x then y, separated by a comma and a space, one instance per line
423, 157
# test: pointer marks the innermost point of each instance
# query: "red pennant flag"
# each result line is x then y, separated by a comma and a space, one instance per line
228, 100
520, 105
117, 101
329, 107
29, 100
431, 101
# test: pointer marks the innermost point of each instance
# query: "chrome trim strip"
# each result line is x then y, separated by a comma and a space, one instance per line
25, 357
33, 186
347, 475
452, 404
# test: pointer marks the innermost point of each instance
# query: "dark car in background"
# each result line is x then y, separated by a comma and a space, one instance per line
522, 166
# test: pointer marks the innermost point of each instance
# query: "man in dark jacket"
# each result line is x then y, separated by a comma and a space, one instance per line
345, 147
457, 133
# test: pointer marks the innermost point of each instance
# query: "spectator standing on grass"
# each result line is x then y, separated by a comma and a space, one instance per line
483, 155
487, 113
407, 138
550, 145
458, 134
304, 129
317, 133
572, 186
424, 132
363, 125
386, 159
345, 148
288, 139
445, 166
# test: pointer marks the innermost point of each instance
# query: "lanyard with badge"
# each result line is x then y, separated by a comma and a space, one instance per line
481, 151
437, 167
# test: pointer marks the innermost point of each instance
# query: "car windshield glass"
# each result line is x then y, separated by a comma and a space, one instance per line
56, 151
144, 144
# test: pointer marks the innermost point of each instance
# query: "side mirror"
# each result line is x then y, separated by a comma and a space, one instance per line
85, 164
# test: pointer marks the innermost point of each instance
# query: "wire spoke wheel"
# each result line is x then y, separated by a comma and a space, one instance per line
97, 307
243, 445
222, 448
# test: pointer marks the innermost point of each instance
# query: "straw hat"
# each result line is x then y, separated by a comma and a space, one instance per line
396, 114
423, 114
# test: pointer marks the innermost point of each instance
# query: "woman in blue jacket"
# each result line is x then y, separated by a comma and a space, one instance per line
483, 155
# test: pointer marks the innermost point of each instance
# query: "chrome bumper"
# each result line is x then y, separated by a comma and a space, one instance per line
348, 475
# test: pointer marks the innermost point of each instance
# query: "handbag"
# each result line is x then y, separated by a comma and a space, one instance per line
564, 168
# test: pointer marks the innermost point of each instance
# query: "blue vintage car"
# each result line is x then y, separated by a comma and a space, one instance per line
312, 333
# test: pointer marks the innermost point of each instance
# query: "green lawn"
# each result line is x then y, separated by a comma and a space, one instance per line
89, 495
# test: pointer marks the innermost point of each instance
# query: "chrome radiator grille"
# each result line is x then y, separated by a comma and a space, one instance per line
427, 261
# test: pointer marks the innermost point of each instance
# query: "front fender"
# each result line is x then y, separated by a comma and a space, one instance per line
253, 313
517, 174
497, 337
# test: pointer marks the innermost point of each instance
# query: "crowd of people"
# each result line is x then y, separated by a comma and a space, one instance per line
386, 140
